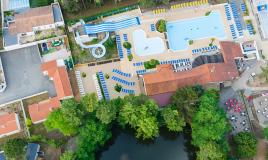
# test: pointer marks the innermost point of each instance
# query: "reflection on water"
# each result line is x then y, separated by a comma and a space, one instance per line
167, 146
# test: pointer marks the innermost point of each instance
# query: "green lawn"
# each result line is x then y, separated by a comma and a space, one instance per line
39, 3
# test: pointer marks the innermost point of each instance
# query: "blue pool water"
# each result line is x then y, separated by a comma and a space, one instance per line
180, 32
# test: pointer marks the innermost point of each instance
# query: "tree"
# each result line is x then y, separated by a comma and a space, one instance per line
91, 137
173, 120
209, 128
210, 151
209, 122
67, 118
246, 144
127, 45
185, 99
147, 3
106, 111
70, 5
15, 148
139, 112
89, 101
264, 73
161, 25
265, 132
68, 155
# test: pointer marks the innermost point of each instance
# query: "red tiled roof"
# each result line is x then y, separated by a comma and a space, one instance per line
60, 78
164, 80
34, 17
39, 111
8, 123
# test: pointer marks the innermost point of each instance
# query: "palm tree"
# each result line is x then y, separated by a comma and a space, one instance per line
264, 73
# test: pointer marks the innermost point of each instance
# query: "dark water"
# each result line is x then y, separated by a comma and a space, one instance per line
166, 147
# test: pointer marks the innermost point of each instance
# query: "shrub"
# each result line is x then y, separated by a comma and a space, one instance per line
151, 64
161, 26
107, 76
130, 57
28, 123
191, 42
84, 75
127, 45
117, 87
208, 13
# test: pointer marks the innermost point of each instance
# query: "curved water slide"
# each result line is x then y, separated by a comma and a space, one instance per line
94, 46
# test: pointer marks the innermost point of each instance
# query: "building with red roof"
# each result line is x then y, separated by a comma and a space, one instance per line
56, 71
9, 124
40, 111
161, 84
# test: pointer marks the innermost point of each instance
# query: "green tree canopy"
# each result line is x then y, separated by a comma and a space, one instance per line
265, 132
15, 148
91, 137
264, 73
211, 151
139, 112
173, 119
209, 127
185, 99
106, 112
209, 123
246, 144
89, 101
68, 155
67, 118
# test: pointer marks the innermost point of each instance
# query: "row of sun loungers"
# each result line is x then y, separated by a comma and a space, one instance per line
129, 91
95, 80
233, 32
190, 4
121, 73
137, 64
158, 11
119, 46
250, 29
175, 61
237, 18
205, 49
123, 81
152, 27
126, 39
104, 86
227, 12
141, 71
80, 83
243, 7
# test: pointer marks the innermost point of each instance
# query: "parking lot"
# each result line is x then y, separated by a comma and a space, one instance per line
235, 109
261, 107
23, 74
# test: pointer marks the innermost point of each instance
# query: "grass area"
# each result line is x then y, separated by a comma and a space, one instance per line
93, 10
84, 56
49, 146
39, 3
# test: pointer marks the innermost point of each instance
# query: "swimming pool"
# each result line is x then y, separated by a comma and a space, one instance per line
147, 46
180, 32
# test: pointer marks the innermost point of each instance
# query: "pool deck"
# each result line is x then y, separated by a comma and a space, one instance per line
147, 19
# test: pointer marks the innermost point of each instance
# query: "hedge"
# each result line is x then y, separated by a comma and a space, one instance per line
105, 14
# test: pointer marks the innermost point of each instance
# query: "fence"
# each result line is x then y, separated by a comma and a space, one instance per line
106, 14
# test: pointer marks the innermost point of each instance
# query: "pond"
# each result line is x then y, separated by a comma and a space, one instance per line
167, 146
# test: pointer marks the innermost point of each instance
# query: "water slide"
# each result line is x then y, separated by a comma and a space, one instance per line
111, 26
94, 46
